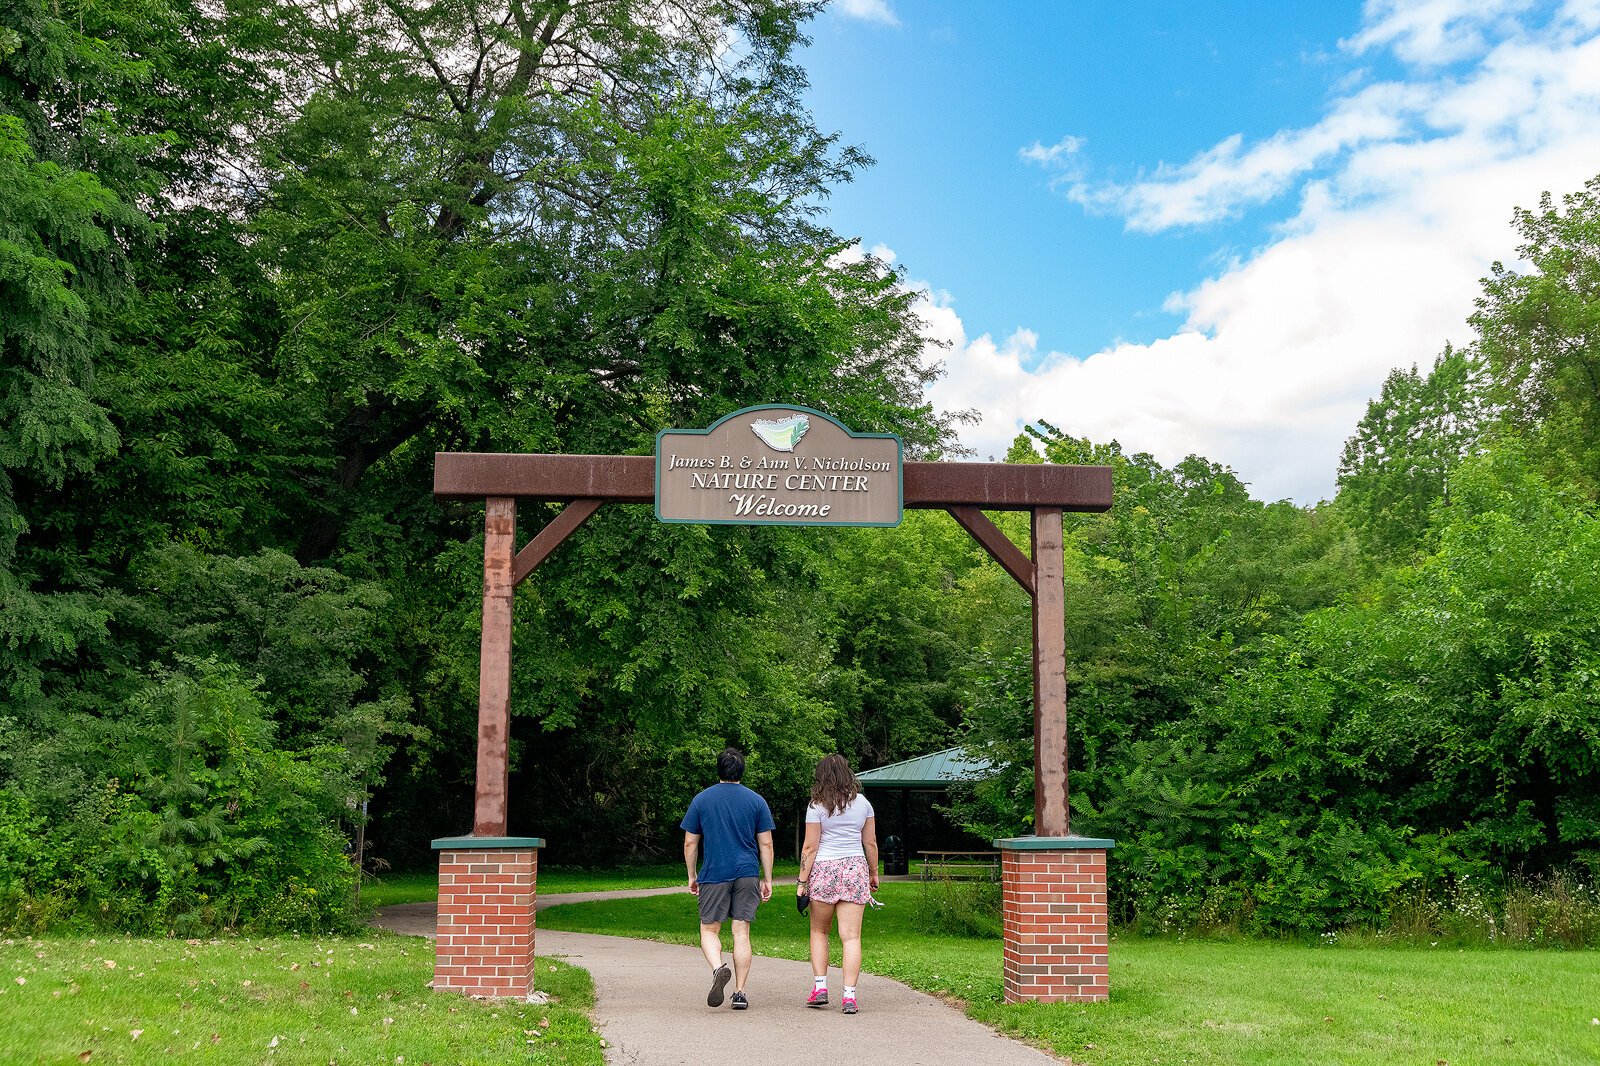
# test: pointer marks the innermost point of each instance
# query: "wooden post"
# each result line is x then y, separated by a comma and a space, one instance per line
494, 666
1050, 817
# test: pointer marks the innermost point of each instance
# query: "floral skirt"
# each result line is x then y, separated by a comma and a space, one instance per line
841, 880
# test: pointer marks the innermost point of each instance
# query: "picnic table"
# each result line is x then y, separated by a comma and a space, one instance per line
960, 864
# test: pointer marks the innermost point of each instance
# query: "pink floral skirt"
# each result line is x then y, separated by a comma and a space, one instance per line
841, 880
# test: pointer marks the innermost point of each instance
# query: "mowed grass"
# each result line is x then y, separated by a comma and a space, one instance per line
1235, 1003
288, 1000
423, 886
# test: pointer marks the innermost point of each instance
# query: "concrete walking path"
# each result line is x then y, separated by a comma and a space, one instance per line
650, 1004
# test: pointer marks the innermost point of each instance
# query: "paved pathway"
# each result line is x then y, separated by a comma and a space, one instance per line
650, 1005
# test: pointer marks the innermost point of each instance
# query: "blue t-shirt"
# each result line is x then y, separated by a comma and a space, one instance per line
727, 816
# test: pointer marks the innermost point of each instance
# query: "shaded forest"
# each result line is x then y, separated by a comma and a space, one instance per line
260, 260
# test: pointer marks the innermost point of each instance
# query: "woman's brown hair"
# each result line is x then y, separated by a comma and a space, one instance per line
835, 786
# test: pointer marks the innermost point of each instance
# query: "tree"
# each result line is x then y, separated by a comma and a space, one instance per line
110, 115
1397, 465
63, 232
1539, 333
558, 227
257, 263
1171, 590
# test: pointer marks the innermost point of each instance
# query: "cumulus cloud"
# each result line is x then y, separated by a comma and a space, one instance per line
1403, 193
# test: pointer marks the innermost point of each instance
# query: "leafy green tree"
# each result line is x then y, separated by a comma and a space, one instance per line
1449, 723
558, 227
1361, 755
1397, 466
1171, 593
908, 609
1537, 332
62, 270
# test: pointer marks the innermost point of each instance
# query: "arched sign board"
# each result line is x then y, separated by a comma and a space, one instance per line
779, 464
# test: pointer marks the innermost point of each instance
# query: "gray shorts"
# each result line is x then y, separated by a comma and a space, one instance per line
736, 899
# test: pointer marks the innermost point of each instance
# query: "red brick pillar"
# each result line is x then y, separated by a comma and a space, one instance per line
487, 887
1053, 909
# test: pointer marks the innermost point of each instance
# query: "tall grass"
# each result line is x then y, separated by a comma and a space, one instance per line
946, 906
1558, 910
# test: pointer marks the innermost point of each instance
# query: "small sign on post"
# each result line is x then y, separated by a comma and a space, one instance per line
779, 465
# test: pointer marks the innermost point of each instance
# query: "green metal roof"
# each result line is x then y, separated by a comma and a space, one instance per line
938, 770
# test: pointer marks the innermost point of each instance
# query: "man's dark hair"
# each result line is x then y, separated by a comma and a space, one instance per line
730, 765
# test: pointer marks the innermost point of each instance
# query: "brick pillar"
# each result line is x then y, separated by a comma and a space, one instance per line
1053, 909
487, 886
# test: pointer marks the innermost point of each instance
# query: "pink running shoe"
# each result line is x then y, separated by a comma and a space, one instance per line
849, 1004
818, 998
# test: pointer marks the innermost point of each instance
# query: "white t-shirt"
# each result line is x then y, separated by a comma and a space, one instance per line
841, 833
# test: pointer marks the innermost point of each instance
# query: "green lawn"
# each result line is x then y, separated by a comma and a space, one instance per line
290, 1000
1234, 1003
423, 886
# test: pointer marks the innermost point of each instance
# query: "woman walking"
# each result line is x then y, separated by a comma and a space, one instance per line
839, 871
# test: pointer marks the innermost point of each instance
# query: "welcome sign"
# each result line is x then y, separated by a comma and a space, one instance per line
779, 465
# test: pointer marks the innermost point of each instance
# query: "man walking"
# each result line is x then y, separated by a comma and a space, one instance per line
732, 827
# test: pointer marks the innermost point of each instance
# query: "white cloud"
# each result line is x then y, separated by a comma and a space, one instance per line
1404, 192
868, 11
1056, 153
1434, 32
1220, 181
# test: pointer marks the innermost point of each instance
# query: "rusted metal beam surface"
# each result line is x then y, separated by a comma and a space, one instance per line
550, 537
997, 544
632, 479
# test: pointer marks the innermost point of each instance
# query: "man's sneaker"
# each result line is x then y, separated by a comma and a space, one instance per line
819, 998
739, 1002
849, 1004
719, 980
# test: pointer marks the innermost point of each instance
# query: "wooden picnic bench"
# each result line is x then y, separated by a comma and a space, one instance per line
960, 864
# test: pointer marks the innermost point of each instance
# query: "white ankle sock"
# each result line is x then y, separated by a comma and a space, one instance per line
819, 982
849, 991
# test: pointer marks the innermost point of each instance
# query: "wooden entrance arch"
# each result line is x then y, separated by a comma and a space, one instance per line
1054, 882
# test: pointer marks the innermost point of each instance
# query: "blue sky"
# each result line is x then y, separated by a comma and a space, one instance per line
1200, 227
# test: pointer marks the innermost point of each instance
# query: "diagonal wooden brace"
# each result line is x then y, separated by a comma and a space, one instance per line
550, 537
997, 544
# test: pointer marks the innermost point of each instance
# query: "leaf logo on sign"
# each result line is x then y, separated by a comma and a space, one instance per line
781, 434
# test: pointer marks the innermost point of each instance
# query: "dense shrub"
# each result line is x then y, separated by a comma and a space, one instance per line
188, 820
1371, 755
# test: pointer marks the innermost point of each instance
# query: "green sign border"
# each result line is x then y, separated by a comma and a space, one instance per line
899, 470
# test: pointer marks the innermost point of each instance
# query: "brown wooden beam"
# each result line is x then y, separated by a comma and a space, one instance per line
494, 667
613, 478
550, 537
1050, 812
632, 479
1008, 486
997, 544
